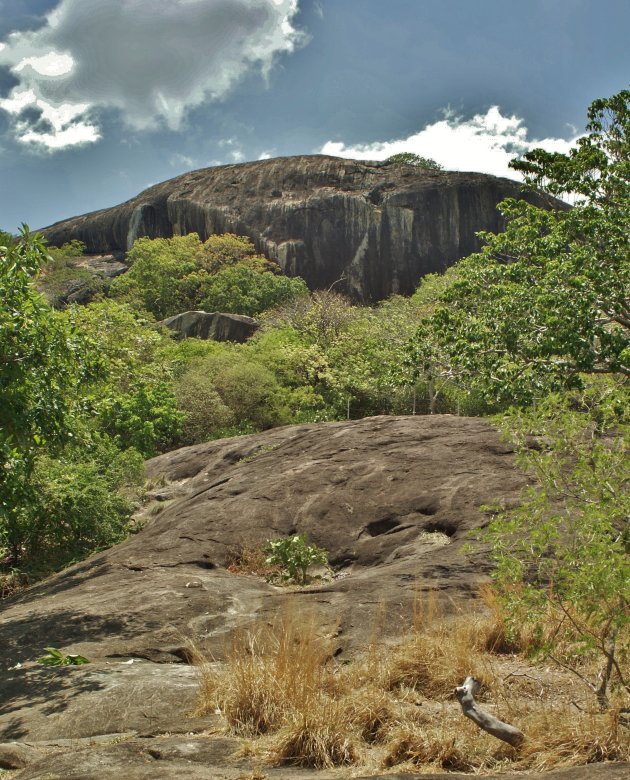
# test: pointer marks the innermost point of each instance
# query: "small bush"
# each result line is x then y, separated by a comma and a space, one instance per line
295, 556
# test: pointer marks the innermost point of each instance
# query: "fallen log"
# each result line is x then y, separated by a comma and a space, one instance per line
465, 694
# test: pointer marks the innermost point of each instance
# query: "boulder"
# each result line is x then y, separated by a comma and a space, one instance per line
390, 498
215, 325
372, 229
110, 266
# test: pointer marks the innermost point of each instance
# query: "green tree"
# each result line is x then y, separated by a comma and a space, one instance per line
44, 362
228, 392
409, 158
157, 267
241, 289
132, 398
80, 502
171, 275
299, 365
548, 301
563, 556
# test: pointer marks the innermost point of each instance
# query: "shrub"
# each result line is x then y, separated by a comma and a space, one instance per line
295, 556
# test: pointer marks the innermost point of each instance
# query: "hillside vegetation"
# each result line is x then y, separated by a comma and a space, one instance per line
534, 328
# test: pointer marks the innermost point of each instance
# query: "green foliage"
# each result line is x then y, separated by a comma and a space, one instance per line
147, 419
243, 395
171, 275
295, 556
242, 289
56, 658
132, 398
69, 251
79, 502
61, 276
206, 416
300, 367
154, 281
563, 556
409, 158
43, 364
547, 300
129, 348
6, 239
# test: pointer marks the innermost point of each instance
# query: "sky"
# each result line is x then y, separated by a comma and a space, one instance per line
100, 99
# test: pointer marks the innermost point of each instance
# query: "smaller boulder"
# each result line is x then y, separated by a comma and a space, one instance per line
110, 266
214, 325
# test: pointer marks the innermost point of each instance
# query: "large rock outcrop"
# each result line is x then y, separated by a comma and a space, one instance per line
376, 227
391, 499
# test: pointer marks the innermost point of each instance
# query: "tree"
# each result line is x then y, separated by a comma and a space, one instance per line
409, 158
563, 555
44, 362
157, 267
548, 300
171, 275
241, 289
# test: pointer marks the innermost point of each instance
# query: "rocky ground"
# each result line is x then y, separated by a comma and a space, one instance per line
390, 498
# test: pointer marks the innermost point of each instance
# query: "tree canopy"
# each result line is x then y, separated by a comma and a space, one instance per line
548, 299
409, 158
224, 273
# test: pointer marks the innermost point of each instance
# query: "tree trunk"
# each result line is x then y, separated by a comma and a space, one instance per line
503, 731
432, 396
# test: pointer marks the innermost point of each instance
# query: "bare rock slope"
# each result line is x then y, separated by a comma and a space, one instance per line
390, 498
379, 228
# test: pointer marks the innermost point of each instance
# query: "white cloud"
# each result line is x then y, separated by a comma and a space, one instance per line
179, 160
51, 64
486, 143
153, 61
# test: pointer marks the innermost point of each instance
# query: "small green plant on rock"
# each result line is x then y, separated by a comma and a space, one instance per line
56, 658
294, 555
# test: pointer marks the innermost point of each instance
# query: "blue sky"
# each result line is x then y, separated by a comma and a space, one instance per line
99, 99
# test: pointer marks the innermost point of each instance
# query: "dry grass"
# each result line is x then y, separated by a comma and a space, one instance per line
12, 582
394, 705
251, 559
270, 673
563, 737
316, 736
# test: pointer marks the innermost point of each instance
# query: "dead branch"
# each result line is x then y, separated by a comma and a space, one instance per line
465, 696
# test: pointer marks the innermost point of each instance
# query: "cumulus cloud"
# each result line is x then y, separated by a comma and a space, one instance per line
152, 61
486, 143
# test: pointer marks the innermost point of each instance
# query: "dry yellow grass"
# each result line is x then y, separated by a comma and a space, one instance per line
270, 672
250, 559
394, 707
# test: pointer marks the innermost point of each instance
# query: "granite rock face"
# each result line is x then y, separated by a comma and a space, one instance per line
211, 325
372, 229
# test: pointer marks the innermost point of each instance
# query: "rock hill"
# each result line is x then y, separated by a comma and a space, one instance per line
376, 227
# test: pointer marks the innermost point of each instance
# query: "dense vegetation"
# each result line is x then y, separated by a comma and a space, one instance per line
536, 327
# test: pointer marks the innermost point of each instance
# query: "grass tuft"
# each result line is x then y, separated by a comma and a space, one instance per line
318, 737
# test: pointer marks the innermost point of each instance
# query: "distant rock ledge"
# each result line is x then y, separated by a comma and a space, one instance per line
211, 325
369, 228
